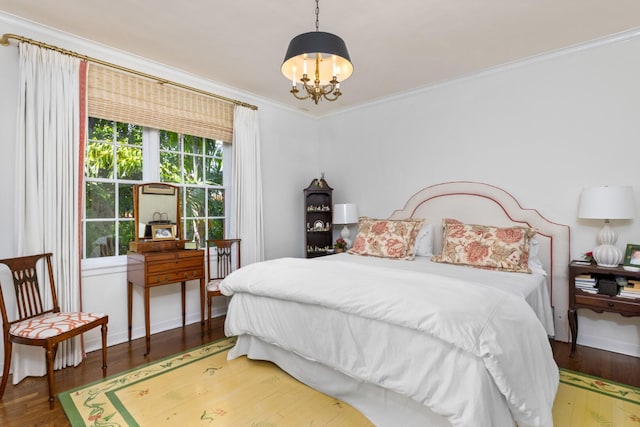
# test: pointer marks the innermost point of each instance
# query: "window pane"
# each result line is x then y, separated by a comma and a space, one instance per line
193, 170
125, 235
213, 148
99, 239
195, 202
129, 134
125, 201
216, 229
100, 129
169, 141
214, 171
100, 200
170, 167
129, 162
192, 144
195, 229
216, 202
99, 160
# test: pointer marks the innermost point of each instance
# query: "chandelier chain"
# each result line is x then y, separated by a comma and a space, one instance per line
317, 13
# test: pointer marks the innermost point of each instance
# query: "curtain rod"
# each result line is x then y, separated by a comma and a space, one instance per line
5, 42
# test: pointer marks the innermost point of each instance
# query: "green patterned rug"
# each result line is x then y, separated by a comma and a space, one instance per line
586, 401
200, 387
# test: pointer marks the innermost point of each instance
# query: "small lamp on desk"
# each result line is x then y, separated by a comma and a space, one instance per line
345, 213
607, 203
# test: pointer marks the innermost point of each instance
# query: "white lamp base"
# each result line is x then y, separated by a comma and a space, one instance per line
345, 233
606, 254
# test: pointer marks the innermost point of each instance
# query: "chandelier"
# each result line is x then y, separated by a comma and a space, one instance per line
326, 55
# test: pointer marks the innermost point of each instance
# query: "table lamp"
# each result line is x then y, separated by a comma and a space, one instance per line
345, 213
607, 203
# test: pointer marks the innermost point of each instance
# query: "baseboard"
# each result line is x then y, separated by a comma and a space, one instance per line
93, 342
615, 346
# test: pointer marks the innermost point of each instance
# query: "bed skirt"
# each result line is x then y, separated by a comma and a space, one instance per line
382, 407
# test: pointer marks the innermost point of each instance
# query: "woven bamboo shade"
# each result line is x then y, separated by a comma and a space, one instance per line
120, 96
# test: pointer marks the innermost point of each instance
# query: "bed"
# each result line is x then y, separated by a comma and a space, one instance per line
411, 341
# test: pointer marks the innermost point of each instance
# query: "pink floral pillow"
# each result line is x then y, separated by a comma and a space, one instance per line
496, 248
386, 238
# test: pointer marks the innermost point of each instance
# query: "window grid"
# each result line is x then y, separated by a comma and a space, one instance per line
195, 164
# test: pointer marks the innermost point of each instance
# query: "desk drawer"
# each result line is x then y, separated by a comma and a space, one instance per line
167, 266
610, 303
176, 276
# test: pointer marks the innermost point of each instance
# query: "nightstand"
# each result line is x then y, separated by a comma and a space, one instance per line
599, 303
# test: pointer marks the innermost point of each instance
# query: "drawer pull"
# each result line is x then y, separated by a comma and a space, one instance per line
610, 304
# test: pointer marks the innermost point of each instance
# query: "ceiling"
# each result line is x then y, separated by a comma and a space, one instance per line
395, 46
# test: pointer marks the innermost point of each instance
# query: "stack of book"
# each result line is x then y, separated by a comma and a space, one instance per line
631, 289
586, 283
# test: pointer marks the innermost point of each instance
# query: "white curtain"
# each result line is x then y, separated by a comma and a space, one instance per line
247, 184
47, 185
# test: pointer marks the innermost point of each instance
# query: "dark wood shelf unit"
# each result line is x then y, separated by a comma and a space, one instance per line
599, 303
318, 207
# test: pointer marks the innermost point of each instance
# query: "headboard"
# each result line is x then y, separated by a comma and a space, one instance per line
478, 203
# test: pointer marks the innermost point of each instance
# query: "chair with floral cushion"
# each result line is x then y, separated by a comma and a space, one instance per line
34, 325
225, 263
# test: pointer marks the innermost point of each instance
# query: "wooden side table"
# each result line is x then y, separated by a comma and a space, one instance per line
152, 269
599, 303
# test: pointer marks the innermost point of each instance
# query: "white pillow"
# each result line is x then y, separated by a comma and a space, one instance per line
424, 241
534, 262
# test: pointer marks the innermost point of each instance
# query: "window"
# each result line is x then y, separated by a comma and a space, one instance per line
196, 163
119, 155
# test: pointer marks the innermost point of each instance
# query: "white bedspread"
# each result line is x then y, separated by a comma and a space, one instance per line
463, 343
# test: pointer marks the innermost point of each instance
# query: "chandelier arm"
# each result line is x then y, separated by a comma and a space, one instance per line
295, 91
336, 94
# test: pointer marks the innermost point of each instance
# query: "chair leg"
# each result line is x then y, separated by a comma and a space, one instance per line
103, 329
7, 365
209, 298
51, 355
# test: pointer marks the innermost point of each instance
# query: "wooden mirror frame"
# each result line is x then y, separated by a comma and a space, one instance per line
155, 197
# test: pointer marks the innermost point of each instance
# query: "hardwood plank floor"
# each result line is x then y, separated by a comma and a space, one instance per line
26, 403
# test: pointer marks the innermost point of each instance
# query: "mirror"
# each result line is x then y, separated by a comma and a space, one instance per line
156, 211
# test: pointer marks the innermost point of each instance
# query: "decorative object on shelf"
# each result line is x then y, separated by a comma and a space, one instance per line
607, 203
632, 258
329, 59
345, 214
588, 257
340, 245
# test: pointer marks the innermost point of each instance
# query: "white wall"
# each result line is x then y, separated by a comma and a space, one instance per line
541, 129
289, 163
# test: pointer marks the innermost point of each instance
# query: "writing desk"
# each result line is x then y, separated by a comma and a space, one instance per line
151, 269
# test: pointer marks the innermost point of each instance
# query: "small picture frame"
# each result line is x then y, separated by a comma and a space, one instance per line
163, 232
632, 256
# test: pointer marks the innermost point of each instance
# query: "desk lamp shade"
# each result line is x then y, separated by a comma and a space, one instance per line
607, 203
345, 213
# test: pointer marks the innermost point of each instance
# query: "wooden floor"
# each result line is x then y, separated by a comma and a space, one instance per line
26, 403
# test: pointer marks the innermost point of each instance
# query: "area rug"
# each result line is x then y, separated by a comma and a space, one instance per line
200, 387
586, 401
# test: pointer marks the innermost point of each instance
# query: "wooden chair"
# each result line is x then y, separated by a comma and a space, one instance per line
223, 266
39, 327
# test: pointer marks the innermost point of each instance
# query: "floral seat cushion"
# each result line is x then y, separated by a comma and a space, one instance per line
52, 324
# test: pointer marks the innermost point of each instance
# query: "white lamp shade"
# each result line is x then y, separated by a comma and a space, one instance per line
345, 213
607, 202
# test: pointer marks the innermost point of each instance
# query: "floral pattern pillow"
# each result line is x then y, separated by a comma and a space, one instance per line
496, 248
386, 238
